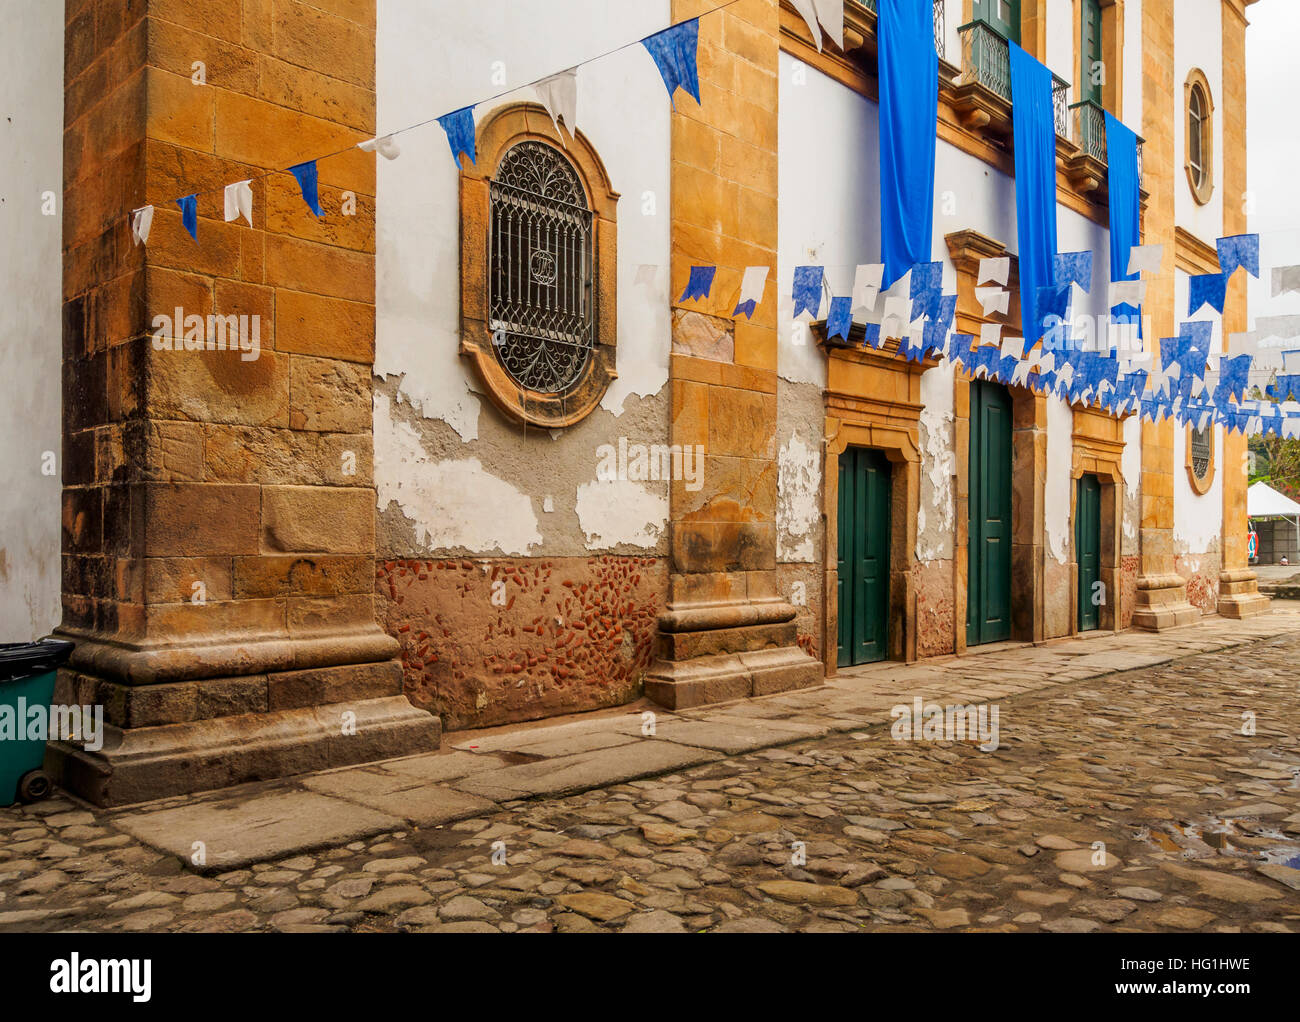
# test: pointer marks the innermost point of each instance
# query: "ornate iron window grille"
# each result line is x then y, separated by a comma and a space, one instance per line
541, 267
1201, 452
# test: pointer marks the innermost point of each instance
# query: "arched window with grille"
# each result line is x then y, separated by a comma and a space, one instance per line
538, 261
541, 308
1200, 457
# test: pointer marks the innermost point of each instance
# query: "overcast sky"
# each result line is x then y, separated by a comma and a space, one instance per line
1273, 144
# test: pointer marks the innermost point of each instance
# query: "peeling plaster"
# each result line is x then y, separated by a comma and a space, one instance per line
1131, 465
452, 503
799, 480
935, 513
620, 512
1056, 488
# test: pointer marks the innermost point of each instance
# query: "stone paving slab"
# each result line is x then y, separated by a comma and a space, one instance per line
566, 774
407, 797
244, 830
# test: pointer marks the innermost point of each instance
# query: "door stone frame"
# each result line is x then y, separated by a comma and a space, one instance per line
879, 406
1098, 445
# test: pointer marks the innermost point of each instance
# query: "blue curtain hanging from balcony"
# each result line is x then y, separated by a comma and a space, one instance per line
1034, 125
909, 111
1122, 182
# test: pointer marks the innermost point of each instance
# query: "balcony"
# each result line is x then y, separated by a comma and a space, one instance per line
940, 43
1087, 167
982, 95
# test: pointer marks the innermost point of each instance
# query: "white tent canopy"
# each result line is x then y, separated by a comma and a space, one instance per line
1262, 501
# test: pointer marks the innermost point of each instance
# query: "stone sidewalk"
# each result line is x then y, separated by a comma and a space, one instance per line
480, 772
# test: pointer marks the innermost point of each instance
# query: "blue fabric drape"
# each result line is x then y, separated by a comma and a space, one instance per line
909, 109
1122, 181
1034, 125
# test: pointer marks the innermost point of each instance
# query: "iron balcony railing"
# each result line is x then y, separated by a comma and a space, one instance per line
986, 61
940, 34
1090, 132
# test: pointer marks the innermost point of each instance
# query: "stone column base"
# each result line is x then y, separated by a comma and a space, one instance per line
177, 738
1162, 603
716, 665
1239, 595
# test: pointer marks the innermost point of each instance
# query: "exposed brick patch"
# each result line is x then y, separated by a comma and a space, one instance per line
572, 634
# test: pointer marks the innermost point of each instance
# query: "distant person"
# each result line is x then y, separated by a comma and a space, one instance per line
1284, 562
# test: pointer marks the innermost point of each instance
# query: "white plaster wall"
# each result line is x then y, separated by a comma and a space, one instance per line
435, 58
1056, 487
1198, 43
1131, 465
828, 213
31, 163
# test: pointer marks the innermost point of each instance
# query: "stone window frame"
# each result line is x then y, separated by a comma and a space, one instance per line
1200, 484
497, 133
1198, 83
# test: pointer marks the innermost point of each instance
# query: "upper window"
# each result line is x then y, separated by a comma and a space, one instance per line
1092, 71
1002, 15
1199, 138
538, 261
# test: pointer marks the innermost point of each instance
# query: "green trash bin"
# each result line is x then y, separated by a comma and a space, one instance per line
27, 673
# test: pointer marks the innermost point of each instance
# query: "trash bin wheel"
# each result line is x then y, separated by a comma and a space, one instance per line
34, 786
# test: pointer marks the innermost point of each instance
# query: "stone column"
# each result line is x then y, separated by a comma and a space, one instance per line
1239, 594
1161, 600
727, 632
218, 505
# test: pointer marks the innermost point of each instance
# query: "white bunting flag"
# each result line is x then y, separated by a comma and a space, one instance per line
831, 14
1127, 292
1243, 344
752, 284
1065, 374
141, 223
1012, 347
1291, 362
1285, 279
808, 10
897, 316
993, 299
386, 147
994, 270
559, 94
1291, 428
1267, 360
990, 333
1284, 328
866, 286
239, 201
1146, 258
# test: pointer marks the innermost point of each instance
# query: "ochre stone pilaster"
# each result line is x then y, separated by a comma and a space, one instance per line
218, 508
1239, 594
722, 587
1161, 600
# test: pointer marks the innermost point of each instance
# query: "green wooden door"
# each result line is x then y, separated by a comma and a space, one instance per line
988, 571
863, 562
1090, 33
1002, 15
1087, 545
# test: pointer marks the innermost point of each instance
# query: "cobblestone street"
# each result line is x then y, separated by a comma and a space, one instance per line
1198, 824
